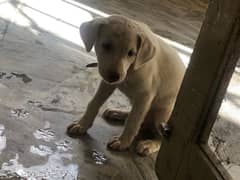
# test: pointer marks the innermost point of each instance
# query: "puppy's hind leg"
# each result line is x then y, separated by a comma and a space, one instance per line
115, 116
148, 147
153, 121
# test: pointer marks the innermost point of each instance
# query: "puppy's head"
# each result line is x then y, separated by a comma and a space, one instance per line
119, 44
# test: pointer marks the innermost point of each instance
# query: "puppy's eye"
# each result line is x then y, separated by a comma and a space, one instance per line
107, 46
131, 53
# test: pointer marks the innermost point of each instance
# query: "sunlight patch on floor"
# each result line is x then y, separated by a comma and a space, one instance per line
62, 18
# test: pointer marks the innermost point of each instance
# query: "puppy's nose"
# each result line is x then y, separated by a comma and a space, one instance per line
113, 76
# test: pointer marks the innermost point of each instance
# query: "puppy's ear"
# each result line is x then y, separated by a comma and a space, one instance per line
146, 51
89, 31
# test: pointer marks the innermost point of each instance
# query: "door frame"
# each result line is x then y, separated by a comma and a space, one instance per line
185, 155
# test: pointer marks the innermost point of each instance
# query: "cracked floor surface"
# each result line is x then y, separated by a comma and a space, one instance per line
45, 85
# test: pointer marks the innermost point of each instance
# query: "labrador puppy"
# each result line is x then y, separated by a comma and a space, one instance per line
146, 69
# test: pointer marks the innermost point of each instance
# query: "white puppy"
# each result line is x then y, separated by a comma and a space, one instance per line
147, 70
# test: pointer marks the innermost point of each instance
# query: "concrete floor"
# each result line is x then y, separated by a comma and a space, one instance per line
44, 86
225, 136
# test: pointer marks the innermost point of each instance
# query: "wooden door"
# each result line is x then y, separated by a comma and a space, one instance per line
185, 155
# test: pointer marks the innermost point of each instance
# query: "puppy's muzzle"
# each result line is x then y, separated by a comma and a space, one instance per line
113, 77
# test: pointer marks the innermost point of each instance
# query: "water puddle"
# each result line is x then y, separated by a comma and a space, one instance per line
46, 133
41, 150
9, 77
3, 139
58, 166
22, 76
2, 74
98, 157
34, 103
8, 175
19, 113
54, 169
56, 99
38, 42
52, 106
63, 145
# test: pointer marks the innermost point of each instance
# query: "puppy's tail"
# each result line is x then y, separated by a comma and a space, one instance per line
92, 65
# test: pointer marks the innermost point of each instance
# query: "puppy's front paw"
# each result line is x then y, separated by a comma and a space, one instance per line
117, 144
76, 129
